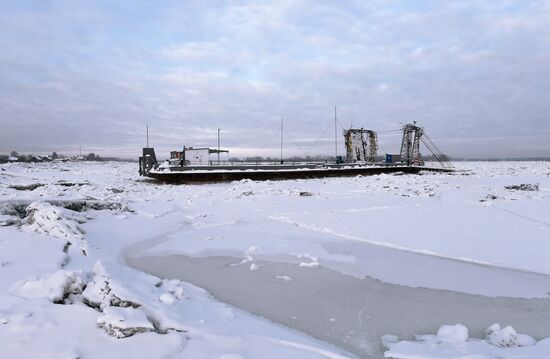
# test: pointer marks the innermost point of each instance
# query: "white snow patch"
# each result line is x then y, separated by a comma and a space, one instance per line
309, 264
314, 261
124, 322
45, 218
56, 286
104, 291
452, 342
167, 298
452, 333
254, 267
507, 337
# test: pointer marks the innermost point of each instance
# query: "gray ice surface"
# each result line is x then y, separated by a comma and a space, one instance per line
348, 312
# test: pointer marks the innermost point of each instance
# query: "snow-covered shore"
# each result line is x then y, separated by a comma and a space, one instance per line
66, 293
66, 229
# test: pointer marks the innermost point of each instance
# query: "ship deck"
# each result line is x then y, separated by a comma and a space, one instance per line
209, 174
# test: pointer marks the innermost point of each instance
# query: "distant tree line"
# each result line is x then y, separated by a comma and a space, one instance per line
14, 156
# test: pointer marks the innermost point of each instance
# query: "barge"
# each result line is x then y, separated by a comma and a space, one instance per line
194, 165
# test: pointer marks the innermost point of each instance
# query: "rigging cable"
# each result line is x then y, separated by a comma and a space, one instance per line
292, 138
319, 138
268, 142
441, 154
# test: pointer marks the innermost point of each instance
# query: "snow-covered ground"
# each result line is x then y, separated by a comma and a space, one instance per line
67, 229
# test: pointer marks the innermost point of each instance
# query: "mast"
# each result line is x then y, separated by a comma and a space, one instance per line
282, 139
335, 134
219, 145
147, 126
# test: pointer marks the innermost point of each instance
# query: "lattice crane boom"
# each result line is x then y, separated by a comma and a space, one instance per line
410, 146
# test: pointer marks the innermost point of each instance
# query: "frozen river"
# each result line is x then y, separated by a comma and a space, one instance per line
350, 312
343, 260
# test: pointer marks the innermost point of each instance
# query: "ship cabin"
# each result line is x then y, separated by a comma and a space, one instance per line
195, 156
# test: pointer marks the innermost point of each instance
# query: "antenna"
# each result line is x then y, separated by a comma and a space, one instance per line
219, 129
147, 125
282, 121
335, 134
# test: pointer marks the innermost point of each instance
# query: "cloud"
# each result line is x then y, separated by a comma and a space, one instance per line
474, 74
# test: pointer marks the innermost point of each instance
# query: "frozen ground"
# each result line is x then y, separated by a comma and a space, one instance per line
68, 228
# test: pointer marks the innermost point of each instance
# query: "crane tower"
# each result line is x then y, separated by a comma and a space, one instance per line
410, 145
361, 145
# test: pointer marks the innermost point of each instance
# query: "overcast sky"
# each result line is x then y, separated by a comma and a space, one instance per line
474, 74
